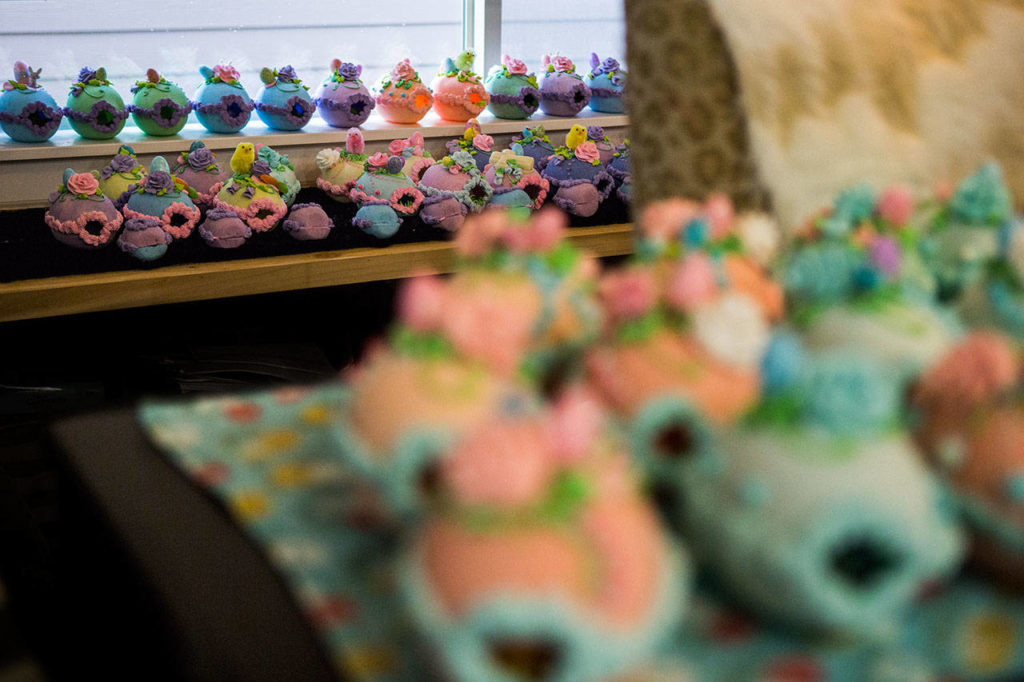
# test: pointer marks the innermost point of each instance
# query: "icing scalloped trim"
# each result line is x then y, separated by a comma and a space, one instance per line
77, 226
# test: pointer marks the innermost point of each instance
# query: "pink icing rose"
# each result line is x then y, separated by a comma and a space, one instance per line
718, 209
484, 326
480, 233
563, 64
587, 151
421, 303
504, 464
546, 230
663, 220
628, 294
483, 142
692, 282
577, 420
403, 71
980, 368
379, 160
896, 205
82, 183
415, 140
226, 72
514, 66
396, 147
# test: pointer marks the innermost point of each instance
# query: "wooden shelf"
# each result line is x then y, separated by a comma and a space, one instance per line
52, 296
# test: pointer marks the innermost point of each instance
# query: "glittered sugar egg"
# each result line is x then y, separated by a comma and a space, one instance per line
385, 196
562, 91
340, 168
501, 586
458, 93
514, 92
27, 112
537, 145
159, 107
514, 180
94, 108
281, 170
166, 198
452, 189
342, 99
123, 173
221, 103
308, 222
283, 102
401, 96
144, 238
223, 229
970, 422
575, 172
251, 192
198, 168
607, 83
80, 215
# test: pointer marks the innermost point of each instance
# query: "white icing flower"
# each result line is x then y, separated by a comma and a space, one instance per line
760, 236
326, 158
733, 330
1015, 250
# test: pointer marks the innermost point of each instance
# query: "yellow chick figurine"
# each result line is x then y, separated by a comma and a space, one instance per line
241, 160
577, 136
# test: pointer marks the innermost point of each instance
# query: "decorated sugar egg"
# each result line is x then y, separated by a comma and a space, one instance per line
474, 142
166, 198
282, 170
159, 107
144, 238
308, 222
27, 112
537, 145
221, 103
621, 171
514, 92
562, 91
80, 215
198, 168
412, 149
458, 93
581, 183
401, 96
283, 102
339, 169
604, 144
123, 173
251, 192
224, 229
94, 108
342, 99
385, 196
452, 188
607, 83
514, 180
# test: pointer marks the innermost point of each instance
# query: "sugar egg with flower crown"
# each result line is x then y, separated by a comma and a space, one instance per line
159, 107
474, 142
401, 97
341, 167
166, 198
342, 99
514, 179
27, 112
283, 103
252, 192
452, 189
198, 167
580, 183
413, 150
385, 195
607, 83
514, 91
121, 174
458, 93
94, 108
80, 215
562, 90
221, 103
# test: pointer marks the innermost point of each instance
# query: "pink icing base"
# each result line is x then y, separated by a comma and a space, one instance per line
336, 191
209, 198
248, 214
420, 167
190, 213
629, 375
534, 180
76, 227
403, 192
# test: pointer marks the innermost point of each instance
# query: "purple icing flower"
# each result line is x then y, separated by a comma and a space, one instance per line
123, 163
260, 167
609, 65
158, 180
86, 74
885, 254
595, 133
200, 158
349, 71
395, 164
249, 192
286, 74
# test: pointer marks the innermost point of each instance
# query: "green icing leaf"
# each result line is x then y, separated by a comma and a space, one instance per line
417, 345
